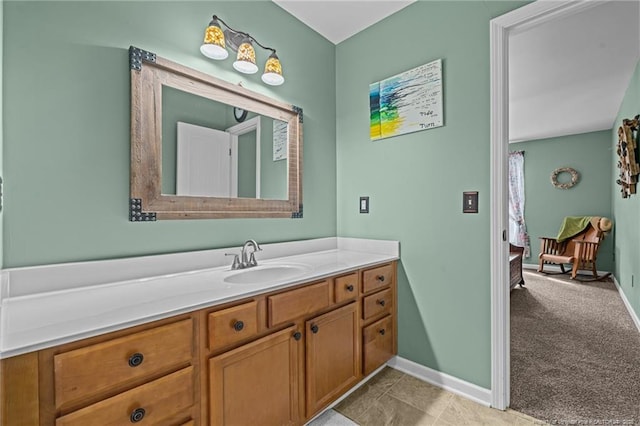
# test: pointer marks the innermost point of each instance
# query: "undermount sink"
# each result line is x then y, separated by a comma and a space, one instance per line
267, 273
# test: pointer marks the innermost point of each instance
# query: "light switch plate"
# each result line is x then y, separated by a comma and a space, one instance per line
470, 202
364, 204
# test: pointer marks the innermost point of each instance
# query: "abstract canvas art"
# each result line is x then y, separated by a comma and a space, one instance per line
407, 102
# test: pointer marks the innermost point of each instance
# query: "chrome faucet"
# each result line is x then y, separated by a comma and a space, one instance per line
249, 261
245, 259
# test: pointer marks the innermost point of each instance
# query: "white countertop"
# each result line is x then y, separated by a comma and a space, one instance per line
49, 305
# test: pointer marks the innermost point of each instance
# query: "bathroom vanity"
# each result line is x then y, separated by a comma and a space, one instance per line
269, 345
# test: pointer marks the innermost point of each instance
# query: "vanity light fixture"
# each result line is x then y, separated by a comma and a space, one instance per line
215, 45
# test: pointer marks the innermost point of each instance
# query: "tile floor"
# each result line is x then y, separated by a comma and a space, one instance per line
395, 398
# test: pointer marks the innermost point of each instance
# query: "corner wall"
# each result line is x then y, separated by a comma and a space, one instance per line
415, 181
67, 162
546, 206
626, 212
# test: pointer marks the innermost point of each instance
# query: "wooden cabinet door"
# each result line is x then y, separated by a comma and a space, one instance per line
333, 363
257, 383
377, 341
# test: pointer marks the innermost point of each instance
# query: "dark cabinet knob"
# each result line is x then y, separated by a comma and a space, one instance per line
350, 287
382, 331
238, 325
380, 278
137, 415
381, 302
136, 359
297, 335
314, 329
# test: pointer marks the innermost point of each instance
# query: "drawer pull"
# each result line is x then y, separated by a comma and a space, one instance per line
381, 302
297, 335
350, 287
381, 331
238, 325
380, 278
137, 415
136, 359
314, 329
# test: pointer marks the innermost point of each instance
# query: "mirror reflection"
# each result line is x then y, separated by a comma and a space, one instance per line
206, 152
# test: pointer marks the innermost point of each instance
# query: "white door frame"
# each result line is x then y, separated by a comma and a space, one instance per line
238, 130
502, 27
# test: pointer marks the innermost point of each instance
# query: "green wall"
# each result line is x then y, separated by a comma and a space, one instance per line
626, 212
273, 174
415, 181
546, 206
247, 158
67, 103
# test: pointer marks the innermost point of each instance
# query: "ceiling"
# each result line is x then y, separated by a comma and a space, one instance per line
569, 76
566, 77
338, 20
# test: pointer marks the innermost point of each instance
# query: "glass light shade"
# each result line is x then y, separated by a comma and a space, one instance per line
214, 43
246, 59
273, 71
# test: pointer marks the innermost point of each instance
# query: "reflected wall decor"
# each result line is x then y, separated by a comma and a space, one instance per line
407, 102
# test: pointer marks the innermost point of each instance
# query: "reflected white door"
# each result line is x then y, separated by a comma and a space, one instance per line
204, 162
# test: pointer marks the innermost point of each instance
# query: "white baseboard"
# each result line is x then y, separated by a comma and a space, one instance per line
627, 305
445, 381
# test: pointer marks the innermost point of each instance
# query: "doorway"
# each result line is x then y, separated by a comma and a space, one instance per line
502, 28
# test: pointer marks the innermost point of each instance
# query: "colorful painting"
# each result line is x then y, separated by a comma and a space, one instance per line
407, 102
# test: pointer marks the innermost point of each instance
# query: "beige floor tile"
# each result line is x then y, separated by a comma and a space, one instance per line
389, 411
462, 411
526, 419
422, 395
364, 397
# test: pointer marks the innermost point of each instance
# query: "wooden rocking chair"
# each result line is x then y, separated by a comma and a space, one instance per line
579, 251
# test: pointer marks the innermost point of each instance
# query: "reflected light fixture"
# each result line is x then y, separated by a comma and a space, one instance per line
215, 46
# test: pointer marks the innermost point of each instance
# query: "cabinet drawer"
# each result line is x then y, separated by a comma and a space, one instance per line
151, 403
377, 344
88, 371
375, 278
377, 303
346, 287
233, 324
293, 304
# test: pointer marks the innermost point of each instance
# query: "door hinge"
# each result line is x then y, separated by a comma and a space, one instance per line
504, 235
1, 194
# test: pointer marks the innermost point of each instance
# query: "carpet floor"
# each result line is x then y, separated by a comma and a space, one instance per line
575, 352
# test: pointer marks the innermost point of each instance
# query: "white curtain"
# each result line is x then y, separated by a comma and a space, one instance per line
517, 228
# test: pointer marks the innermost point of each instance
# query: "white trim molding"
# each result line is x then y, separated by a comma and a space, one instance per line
526, 17
452, 384
627, 305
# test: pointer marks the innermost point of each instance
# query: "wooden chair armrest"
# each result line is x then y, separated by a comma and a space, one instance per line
550, 245
595, 243
585, 250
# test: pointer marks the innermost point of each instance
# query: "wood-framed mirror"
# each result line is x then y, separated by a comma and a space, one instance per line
191, 159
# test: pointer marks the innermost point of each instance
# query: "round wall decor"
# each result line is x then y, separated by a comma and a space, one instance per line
566, 185
240, 114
